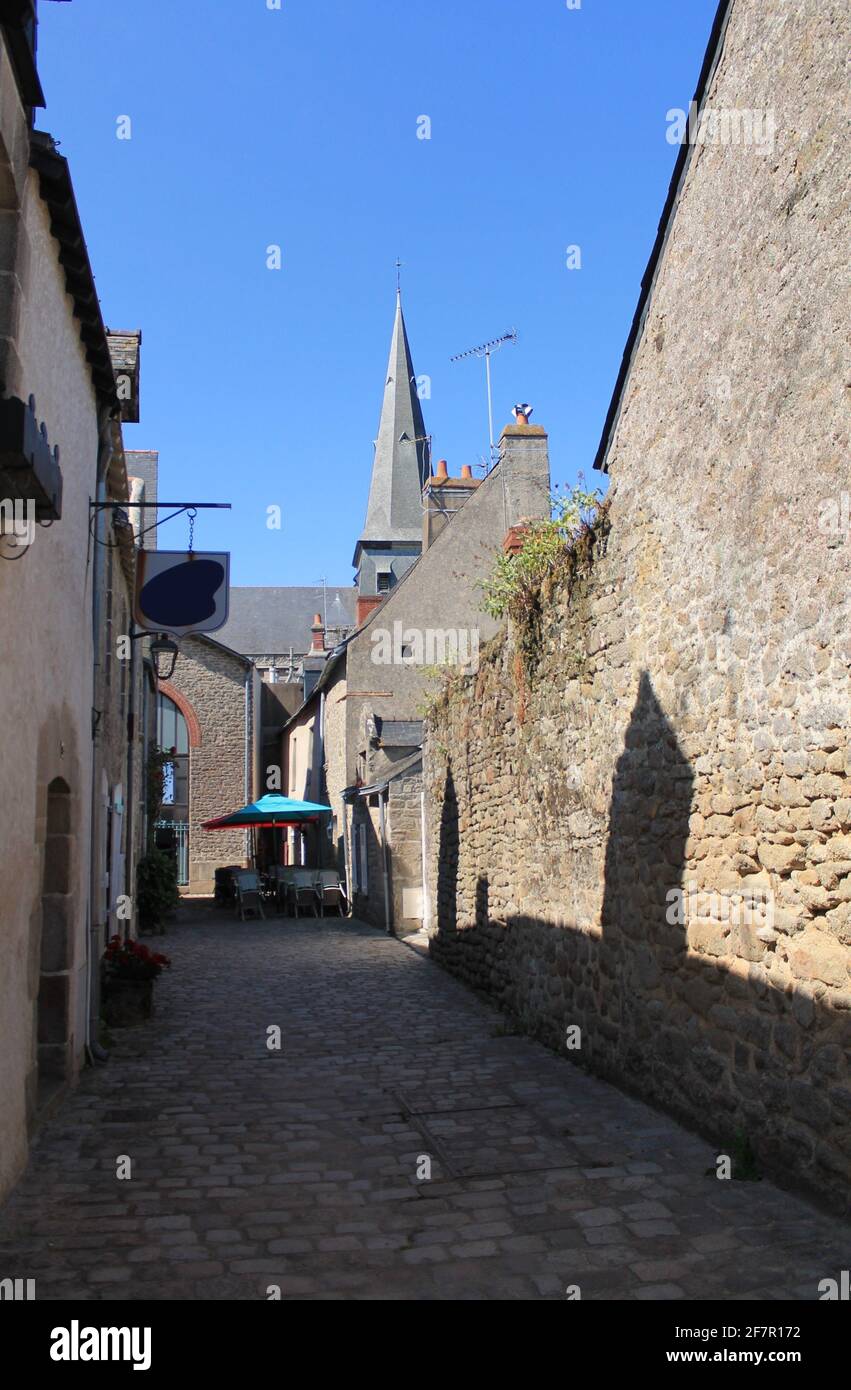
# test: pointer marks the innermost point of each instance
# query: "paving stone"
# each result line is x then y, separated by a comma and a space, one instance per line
645, 1229
300, 1172
111, 1275
598, 1216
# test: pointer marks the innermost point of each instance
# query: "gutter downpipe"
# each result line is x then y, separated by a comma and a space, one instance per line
94, 1051
426, 904
381, 796
317, 778
247, 834
130, 823
348, 858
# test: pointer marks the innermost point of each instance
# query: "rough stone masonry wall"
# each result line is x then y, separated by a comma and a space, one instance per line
369, 906
687, 720
404, 830
335, 765
213, 682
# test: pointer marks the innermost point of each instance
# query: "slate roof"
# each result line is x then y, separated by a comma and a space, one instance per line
401, 464
268, 621
57, 192
399, 733
404, 765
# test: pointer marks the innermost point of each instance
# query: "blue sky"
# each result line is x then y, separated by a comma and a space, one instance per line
297, 127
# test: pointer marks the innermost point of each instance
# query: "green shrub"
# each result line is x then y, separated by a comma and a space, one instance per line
745, 1164
513, 587
156, 888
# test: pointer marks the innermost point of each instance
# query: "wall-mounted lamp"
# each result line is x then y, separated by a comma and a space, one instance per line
164, 656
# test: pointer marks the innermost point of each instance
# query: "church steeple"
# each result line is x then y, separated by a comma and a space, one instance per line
392, 534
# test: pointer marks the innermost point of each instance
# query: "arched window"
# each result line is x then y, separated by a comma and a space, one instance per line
171, 726
173, 737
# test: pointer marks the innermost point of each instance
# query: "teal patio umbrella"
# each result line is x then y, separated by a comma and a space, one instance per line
273, 812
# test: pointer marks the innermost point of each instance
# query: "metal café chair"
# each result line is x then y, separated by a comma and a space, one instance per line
249, 895
280, 877
329, 891
301, 890
225, 885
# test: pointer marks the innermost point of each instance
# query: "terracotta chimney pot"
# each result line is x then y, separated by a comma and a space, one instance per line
515, 537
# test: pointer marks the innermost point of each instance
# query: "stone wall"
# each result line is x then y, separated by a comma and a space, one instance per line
439, 594
212, 679
404, 833
680, 721
334, 749
436, 602
365, 820
46, 693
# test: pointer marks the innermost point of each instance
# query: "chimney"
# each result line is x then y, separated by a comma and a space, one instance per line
317, 636
525, 467
442, 497
366, 603
124, 351
515, 538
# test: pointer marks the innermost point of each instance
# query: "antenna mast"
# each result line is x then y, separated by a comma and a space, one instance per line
484, 350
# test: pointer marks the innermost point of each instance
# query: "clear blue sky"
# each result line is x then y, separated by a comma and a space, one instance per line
298, 127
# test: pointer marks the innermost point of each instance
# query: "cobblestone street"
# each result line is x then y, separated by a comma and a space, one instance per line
298, 1168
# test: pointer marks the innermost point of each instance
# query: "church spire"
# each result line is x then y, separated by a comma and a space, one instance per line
401, 464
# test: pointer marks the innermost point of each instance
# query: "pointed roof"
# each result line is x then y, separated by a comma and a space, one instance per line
400, 466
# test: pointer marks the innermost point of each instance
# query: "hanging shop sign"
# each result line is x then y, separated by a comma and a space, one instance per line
182, 591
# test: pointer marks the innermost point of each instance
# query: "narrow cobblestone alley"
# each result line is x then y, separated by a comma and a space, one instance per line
298, 1168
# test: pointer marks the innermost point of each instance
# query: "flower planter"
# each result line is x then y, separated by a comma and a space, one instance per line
127, 1002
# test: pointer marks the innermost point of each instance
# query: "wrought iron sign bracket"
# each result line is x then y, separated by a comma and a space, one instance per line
180, 507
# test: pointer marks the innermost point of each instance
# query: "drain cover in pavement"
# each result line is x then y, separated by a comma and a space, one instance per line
506, 1139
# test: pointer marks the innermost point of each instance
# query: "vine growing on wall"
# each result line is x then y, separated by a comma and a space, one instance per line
513, 587
444, 678
549, 550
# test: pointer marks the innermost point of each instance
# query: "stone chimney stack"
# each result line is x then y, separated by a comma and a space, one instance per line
124, 352
442, 496
317, 636
366, 603
524, 463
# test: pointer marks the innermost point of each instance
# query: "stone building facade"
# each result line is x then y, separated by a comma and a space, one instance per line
217, 692
428, 539
434, 616
640, 819
312, 761
62, 727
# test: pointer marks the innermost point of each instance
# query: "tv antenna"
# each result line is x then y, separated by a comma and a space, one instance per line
484, 350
